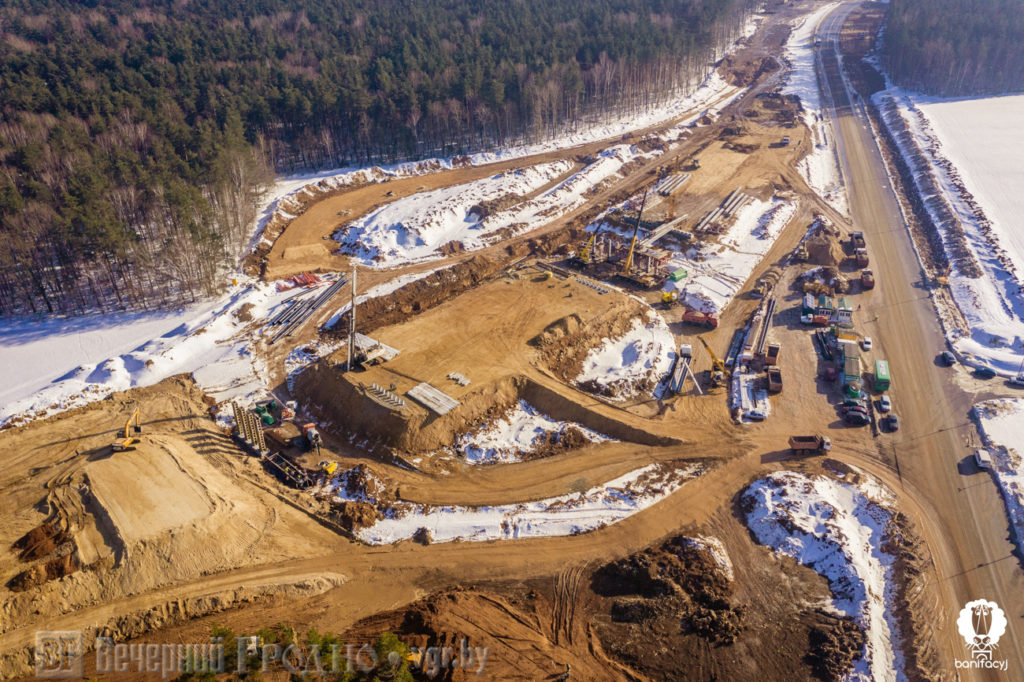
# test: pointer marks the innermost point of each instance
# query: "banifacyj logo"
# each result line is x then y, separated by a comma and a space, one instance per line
982, 624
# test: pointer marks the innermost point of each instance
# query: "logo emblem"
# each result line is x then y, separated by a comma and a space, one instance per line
981, 623
59, 654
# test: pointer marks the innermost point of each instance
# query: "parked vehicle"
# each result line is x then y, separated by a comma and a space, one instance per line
867, 279
691, 316
893, 422
984, 372
983, 458
756, 415
857, 418
947, 358
866, 343
882, 378
1017, 381
807, 319
884, 403
830, 374
808, 444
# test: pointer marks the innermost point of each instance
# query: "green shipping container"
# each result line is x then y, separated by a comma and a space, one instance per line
678, 275
882, 379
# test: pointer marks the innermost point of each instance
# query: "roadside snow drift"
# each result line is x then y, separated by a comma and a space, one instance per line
839, 531
517, 434
555, 516
631, 364
1002, 425
976, 211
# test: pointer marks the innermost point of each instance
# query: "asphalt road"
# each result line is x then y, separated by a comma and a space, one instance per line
968, 530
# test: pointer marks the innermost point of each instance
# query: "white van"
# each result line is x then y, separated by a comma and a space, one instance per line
983, 459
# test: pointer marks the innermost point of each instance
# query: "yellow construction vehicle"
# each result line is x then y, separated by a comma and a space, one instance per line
943, 279
328, 467
669, 297
586, 255
717, 366
129, 440
644, 280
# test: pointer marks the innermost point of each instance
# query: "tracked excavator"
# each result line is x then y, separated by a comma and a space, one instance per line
717, 366
130, 438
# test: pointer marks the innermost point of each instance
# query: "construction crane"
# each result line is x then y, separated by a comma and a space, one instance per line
626, 270
129, 440
717, 366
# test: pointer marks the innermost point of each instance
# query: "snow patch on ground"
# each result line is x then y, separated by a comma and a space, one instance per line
623, 367
716, 549
839, 531
747, 396
993, 304
413, 228
552, 517
1002, 426
215, 346
717, 271
517, 433
820, 167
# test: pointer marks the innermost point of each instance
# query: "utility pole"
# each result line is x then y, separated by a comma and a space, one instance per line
352, 323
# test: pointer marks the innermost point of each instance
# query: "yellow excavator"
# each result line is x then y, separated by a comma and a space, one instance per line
717, 366
129, 440
943, 279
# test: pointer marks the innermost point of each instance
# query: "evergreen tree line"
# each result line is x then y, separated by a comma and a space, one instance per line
956, 47
136, 135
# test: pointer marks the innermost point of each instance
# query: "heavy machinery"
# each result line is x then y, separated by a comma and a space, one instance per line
692, 316
867, 279
669, 297
861, 254
586, 256
801, 253
943, 279
717, 366
129, 440
264, 412
311, 437
694, 164
644, 280
328, 467
799, 445
857, 240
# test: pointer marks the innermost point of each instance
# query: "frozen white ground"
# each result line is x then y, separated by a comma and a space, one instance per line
414, 228
984, 138
839, 530
746, 396
1002, 426
516, 434
556, 516
717, 271
621, 368
213, 344
993, 305
819, 168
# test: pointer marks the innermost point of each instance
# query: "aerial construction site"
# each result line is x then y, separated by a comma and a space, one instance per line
667, 403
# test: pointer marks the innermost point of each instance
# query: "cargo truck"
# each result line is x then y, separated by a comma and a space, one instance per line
802, 445
774, 380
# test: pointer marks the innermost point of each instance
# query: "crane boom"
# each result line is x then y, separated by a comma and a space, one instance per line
717, 366
632, 246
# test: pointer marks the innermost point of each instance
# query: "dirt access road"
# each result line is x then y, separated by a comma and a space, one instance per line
967, 530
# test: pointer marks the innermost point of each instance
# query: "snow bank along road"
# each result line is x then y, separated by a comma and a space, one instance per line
967, 532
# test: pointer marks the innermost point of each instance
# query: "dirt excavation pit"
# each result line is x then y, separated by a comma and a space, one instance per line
483, 335
163, 495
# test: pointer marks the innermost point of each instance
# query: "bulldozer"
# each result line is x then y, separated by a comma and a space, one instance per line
717, 366
129, 440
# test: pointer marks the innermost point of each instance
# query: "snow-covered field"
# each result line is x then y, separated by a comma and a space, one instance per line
516, 434
214, 343
746, 395
839, 530
985, 141
819, 168
1002, 426
557, 516
623, 367
717, 271
959, 159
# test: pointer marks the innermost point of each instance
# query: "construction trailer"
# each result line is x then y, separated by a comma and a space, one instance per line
844, 312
